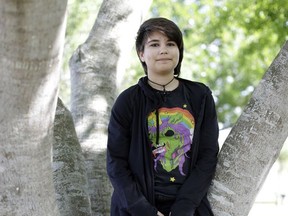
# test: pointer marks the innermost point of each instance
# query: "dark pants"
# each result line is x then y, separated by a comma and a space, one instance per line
164, 204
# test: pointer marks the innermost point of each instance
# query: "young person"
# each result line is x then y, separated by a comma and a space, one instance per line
162, 136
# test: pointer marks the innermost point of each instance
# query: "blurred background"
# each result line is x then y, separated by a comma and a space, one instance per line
229, 45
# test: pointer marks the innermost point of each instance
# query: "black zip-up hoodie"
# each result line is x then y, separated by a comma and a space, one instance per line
129, 157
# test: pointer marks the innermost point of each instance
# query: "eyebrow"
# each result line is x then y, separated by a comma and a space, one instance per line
152, 41
156, 40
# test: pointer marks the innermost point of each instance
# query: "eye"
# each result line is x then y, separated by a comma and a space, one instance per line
171, 44
154, 44
169, 133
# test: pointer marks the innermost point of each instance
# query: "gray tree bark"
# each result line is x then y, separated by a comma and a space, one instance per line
31, 45
94, 68
253, 144
70, 177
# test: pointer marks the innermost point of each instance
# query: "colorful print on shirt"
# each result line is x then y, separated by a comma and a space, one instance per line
176, 128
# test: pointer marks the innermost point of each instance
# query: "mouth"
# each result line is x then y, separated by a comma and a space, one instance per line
164, 59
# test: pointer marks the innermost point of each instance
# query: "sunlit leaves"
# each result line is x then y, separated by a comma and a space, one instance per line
229, 45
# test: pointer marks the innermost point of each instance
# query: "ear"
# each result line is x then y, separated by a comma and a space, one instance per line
141, 56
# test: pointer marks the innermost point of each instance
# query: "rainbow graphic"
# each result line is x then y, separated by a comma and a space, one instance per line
176, 128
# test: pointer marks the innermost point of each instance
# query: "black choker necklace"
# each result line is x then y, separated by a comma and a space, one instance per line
164, 89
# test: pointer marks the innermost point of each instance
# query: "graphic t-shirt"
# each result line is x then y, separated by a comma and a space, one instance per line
175, 133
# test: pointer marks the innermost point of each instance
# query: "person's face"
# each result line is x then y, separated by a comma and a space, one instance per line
160, 54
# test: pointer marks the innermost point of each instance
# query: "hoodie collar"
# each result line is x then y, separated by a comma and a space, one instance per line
148, 91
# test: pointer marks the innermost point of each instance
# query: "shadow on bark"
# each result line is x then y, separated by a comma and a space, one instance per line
70, 177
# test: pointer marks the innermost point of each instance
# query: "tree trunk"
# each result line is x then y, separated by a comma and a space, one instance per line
93, 82
31, 42
253, 144
70, 177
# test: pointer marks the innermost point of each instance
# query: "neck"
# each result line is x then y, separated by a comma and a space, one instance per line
162, 85
160, 77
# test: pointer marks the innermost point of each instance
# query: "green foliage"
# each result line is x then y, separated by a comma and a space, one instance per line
229, 45
81, 17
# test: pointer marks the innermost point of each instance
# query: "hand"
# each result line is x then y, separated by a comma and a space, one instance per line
159, 214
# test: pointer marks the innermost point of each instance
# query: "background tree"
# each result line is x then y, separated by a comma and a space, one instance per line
32, 38
254, 143
94, 67
81, 17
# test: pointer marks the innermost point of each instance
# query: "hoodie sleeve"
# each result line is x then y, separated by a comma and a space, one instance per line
126, 189
205, 155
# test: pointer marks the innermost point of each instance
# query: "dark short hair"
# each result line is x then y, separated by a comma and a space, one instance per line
166, 26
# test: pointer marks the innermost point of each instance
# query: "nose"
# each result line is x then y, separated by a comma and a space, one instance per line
163, 50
